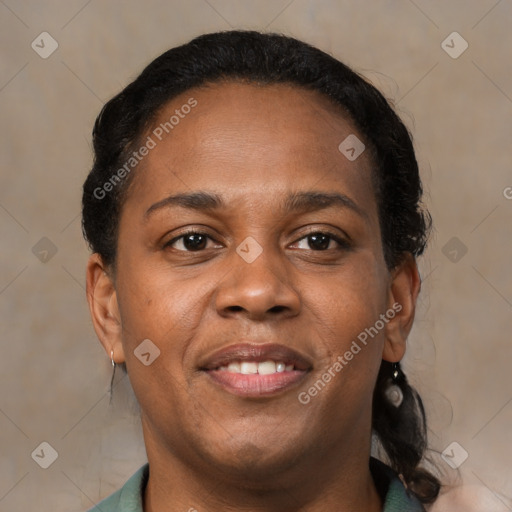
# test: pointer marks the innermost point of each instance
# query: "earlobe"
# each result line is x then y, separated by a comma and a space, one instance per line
403, 293
103, 306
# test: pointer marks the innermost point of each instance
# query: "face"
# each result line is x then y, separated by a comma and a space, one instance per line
283, 273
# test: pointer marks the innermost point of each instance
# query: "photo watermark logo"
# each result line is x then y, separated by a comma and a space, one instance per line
304, 397
151, 142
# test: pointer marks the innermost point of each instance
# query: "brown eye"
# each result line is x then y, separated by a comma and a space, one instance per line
189, 242
321, 241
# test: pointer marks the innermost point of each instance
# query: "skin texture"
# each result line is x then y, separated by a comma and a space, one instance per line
207, 448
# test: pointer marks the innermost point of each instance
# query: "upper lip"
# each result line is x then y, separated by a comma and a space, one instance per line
257, 352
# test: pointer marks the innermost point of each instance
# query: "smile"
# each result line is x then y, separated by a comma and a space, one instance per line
256, 370
253, 367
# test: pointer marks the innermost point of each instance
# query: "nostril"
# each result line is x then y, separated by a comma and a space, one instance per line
273, 309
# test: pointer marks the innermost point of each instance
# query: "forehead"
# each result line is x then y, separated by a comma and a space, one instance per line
241, 134
229, 111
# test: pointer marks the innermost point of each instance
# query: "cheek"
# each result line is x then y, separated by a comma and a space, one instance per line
155, 306
346, 310
349, 301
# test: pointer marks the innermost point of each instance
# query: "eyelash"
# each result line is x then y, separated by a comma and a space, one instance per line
343, 244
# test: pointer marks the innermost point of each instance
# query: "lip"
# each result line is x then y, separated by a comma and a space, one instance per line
258, 353
256, 385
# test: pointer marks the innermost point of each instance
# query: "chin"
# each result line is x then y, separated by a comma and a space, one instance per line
254, 462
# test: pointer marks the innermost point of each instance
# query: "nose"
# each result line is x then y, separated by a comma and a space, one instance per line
258, 290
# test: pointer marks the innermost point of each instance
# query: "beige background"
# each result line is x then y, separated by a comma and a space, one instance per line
54, 374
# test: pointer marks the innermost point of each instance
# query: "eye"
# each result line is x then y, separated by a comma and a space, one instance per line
191, 241
196, 241
321, 241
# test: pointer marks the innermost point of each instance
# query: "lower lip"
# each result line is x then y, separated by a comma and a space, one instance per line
256, 385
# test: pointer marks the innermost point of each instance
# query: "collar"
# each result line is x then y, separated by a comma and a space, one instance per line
395, 497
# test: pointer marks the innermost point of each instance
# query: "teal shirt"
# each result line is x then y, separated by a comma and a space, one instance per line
390, 487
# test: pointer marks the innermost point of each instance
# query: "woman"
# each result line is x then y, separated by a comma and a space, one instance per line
254, 212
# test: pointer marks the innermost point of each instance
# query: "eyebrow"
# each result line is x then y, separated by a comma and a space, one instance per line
295, 202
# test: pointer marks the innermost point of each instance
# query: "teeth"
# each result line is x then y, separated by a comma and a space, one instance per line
247, 368
266, 368
252, 367
234, 367
280, 367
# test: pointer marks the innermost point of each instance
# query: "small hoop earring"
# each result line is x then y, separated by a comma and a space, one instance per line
395, 371
113, 375
393, 392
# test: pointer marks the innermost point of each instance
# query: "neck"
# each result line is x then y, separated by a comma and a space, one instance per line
341, 482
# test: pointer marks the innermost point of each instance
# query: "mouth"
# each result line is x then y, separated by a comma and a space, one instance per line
256, 370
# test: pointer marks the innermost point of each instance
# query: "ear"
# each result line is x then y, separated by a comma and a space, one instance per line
103, 306
404, 289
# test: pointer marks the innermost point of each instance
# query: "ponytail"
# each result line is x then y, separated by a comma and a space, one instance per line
400, 424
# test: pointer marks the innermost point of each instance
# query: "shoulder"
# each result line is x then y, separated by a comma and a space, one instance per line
129, 497
470, 498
